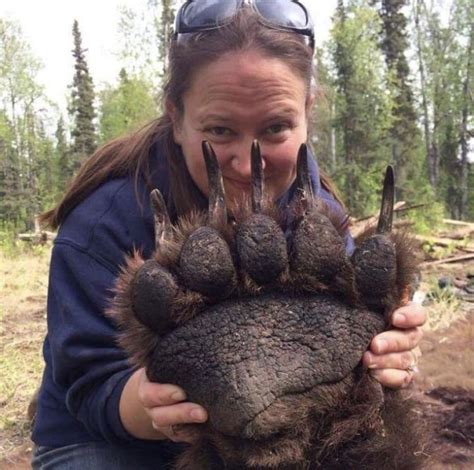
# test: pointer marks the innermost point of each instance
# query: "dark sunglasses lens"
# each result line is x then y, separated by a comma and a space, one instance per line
208, 13
283, 13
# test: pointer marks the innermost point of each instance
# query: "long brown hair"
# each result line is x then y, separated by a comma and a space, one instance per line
130, 155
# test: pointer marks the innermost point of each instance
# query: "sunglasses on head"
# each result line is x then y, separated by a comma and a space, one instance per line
204, 15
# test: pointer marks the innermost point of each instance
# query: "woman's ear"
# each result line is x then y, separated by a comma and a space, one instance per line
176, 120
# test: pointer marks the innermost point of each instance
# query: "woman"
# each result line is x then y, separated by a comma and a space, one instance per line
236, 73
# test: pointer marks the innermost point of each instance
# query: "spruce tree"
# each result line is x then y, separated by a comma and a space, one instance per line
362, 109
405, 135
82, 105
11, 196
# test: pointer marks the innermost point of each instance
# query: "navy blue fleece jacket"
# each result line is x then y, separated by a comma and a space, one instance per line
85, 370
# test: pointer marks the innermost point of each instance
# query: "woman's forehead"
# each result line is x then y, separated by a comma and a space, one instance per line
247, 68
242, 79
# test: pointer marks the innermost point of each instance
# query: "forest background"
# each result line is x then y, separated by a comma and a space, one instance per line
395, 86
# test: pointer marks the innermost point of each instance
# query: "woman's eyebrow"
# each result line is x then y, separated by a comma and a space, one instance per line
215, 117
282, 114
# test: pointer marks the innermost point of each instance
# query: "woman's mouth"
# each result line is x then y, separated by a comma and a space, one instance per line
241, 185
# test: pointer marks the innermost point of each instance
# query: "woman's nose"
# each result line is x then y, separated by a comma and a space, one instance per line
241, 161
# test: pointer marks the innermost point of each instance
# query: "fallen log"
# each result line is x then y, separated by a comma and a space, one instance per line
453, 259
37, 237
397, 207
459, 222
359, 226
445, 242
363, 224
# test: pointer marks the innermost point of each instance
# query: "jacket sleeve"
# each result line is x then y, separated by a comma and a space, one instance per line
85, 358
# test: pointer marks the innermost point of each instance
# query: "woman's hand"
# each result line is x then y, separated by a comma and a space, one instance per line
393, 354
166, 407
155, 411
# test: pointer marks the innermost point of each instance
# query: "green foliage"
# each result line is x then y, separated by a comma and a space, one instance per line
125, 107
429, 218
12, 247
446, 67
23, 142
405, 139
364, 117
9, 244
363, 108
143, 39
81, 107
322, 120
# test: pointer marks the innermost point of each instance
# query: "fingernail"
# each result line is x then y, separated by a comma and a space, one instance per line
382, 346
178, 396
198, 415
369, 361
398, 318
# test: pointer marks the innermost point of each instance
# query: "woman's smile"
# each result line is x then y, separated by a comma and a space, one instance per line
243, 185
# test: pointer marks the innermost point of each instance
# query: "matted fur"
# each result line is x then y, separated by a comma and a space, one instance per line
135, 338
352, 423
339, 427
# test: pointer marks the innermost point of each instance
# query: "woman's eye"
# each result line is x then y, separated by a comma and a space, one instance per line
276, 128
220, 131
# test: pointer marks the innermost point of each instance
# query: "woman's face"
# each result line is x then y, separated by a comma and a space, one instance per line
233, 101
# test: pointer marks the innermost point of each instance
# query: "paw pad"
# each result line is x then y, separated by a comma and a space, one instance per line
261, 315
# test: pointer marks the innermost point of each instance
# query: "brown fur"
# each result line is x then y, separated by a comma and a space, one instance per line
339, 427
352, 423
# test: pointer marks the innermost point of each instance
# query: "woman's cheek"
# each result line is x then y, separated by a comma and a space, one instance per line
197, 170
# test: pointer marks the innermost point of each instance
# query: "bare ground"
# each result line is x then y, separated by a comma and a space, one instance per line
444, 386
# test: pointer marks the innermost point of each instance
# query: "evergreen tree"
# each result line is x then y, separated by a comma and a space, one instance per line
21, 127
405, 135
445, 64
464, 22
362, 107
323, 131
81, 106
11, 196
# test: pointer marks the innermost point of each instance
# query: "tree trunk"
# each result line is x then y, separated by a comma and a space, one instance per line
463, 212
333, 138
431, 154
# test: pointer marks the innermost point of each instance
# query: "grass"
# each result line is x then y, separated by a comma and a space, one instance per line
23, 283
443, 306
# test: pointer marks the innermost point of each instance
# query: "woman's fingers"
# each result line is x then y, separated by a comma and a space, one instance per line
165, 406
396, 341
154, 394
410, 315
392, 378
181, 413
401, 361
179, 433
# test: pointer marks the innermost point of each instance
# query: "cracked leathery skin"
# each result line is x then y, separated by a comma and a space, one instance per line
250, 353
263, 319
